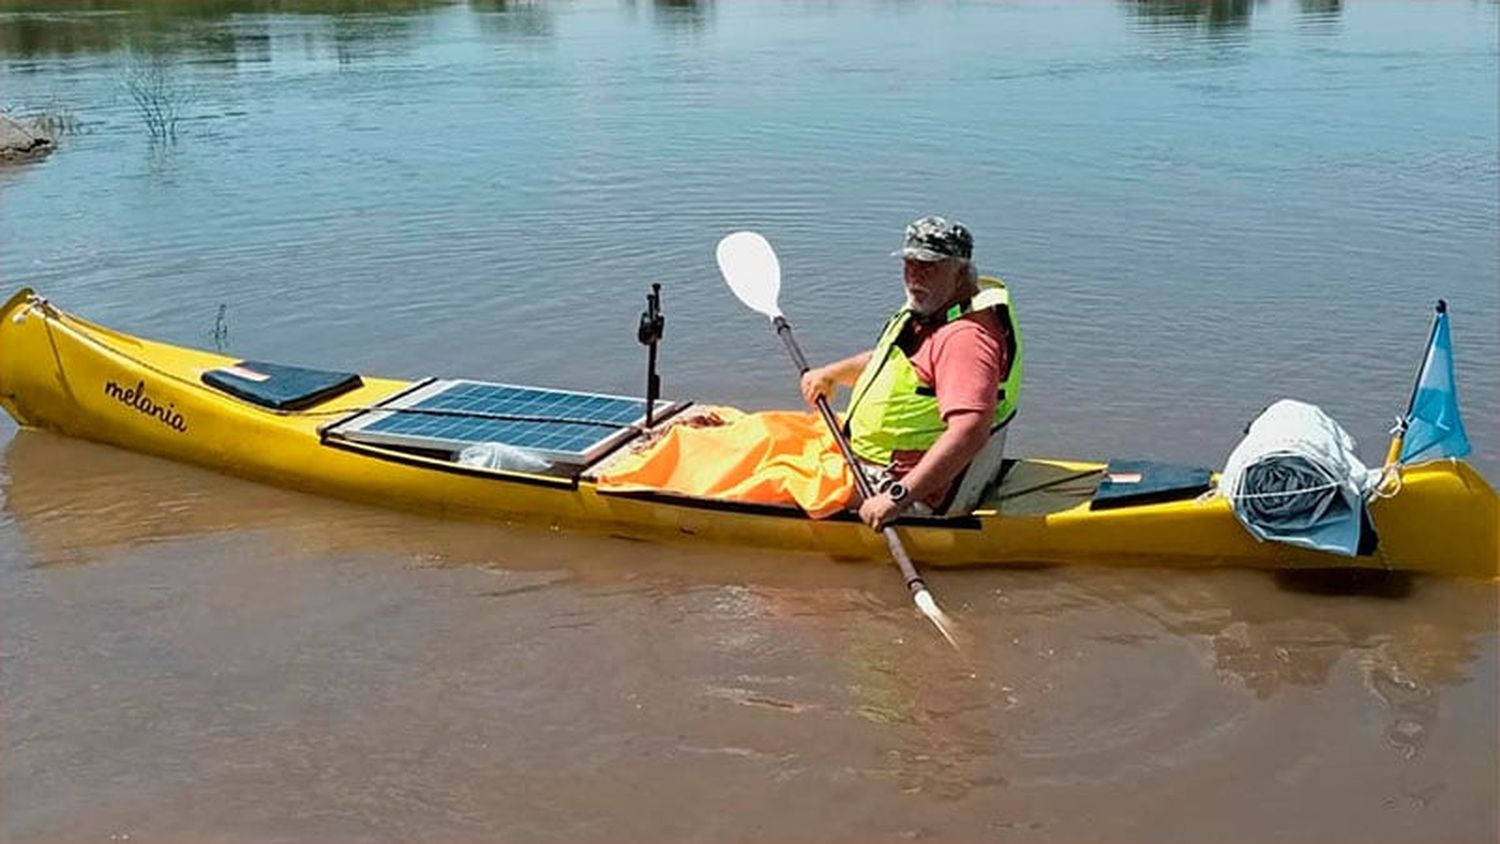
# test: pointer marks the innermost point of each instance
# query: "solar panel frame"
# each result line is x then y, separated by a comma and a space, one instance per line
561, 426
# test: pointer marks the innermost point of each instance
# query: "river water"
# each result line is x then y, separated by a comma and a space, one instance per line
1201, 207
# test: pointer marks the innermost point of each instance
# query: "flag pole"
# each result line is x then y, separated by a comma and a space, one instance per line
1398, 436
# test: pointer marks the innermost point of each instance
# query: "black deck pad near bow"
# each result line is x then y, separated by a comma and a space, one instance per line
1131, 482
280, 387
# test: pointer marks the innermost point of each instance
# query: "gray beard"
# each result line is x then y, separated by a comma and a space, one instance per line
911, 305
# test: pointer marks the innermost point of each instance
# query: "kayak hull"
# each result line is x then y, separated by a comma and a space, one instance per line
63, 373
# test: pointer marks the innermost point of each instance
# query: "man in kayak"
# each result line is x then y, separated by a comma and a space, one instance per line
933, 396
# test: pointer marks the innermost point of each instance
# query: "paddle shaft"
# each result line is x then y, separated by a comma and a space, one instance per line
866, 489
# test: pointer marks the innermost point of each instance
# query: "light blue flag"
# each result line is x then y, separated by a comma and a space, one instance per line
1434, 427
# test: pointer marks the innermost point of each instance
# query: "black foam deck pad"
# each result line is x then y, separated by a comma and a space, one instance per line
280, 387
1130, 482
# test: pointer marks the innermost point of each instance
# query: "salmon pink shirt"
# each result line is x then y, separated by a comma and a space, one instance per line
964, 361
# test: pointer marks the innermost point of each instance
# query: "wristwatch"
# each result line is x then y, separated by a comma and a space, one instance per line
898, 493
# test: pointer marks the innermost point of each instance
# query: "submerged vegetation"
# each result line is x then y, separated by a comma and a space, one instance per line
53, 118
159, 97
57, 120
220, 332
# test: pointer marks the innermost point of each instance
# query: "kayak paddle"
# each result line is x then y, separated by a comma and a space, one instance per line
752, 271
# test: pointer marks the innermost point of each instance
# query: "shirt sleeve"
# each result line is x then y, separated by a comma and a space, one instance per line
968, 360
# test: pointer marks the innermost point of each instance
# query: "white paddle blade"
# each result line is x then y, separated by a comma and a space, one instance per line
929, 607
751, 270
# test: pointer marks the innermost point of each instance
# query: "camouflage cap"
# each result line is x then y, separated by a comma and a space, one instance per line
936, 239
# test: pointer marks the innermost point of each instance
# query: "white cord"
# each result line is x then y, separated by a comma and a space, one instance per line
1383, 477
1388, 473
1243, 496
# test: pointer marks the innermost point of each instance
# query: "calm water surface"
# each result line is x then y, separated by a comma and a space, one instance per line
1202, 207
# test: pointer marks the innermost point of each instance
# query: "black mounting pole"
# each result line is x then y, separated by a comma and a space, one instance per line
649, 333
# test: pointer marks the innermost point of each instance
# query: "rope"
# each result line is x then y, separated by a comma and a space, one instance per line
1377, 490
1283, 493
1390, 483
61, 318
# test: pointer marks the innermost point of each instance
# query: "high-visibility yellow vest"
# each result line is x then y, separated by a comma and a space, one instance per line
891, 409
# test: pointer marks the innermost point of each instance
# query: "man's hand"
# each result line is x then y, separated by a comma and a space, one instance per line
819, 381
879, 511
824, 381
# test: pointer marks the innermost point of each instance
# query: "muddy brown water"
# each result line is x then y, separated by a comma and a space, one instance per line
189, 656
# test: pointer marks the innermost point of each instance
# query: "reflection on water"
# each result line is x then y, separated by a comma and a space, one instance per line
220, 30
1219, 18
505, 19
1320, 9
1298, 635
241, 30
682, 14
1213, 14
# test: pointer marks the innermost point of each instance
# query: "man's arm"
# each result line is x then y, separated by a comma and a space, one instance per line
967, 364
824, 380
968, 431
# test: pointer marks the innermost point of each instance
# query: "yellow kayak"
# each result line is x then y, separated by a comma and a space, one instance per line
63, 373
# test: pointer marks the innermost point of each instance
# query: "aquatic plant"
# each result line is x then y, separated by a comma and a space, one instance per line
160, 98
220, 332
56, 120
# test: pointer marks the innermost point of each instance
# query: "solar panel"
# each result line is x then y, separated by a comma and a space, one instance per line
561, 426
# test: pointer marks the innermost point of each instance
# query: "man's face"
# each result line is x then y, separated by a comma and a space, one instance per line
931, 284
